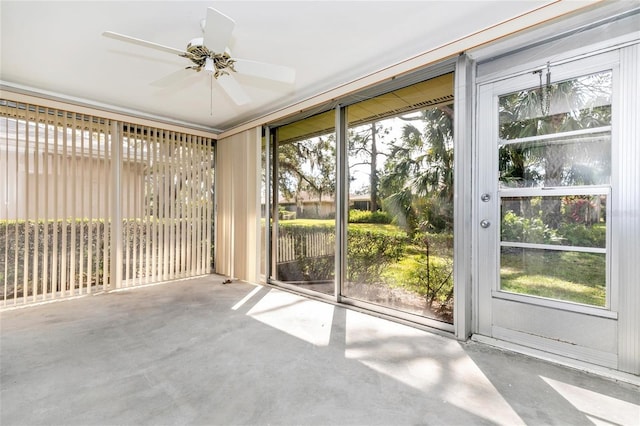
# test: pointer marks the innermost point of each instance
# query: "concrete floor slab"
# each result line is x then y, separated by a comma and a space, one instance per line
201, 352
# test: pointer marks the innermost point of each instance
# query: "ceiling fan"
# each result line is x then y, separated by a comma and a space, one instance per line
211, 54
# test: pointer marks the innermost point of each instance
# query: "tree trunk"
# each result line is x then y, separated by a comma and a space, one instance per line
373, 176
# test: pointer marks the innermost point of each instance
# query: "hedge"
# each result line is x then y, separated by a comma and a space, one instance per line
58, 236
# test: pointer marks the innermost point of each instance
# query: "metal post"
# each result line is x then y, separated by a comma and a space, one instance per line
267, 203
462, 200
342, 194
272, 202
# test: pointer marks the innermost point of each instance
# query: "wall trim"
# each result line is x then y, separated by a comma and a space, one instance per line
22, 94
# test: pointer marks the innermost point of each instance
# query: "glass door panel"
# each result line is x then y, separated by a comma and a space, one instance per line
400, 173
554, 167
305, 184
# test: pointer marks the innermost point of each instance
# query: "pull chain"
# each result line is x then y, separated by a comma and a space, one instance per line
545, 98
547, 92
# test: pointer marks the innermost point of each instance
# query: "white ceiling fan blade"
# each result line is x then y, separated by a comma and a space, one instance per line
217, 30
234, 90
264, 70
141, 42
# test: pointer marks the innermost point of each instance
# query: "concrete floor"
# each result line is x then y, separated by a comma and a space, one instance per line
200, 352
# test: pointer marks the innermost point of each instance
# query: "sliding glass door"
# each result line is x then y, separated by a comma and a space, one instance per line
305, 219
396, 253
400, 228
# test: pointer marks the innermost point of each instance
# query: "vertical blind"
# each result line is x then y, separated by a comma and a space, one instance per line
57, 223
167, 205
238, 219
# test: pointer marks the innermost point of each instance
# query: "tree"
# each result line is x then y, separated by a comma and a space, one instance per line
363, 149
418, 176
307, 165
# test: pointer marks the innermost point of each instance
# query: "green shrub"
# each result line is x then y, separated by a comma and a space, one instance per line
429, 273
440, 244
517, 228
370, 252
365, 216
576, 234
429, 276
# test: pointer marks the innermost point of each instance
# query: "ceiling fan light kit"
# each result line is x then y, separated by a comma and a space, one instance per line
203, 53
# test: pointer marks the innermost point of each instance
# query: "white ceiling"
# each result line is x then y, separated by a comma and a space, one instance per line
56, 47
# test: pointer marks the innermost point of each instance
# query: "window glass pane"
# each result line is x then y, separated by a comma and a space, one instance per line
564, 275
556, 135
563, 161
570, 220
400, 230
306, 184
580, 103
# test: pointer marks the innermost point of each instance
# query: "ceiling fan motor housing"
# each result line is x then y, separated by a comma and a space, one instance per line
198, 53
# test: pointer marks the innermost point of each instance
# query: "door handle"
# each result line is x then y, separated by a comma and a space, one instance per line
485, 223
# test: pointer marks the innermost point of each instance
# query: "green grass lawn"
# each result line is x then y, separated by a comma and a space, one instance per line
570, 276
374, 227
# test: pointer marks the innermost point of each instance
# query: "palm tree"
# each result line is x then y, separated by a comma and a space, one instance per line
418, 176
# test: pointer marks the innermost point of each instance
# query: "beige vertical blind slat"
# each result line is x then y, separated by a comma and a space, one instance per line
165, 207
105, 216
209, 212
55, 180
16, 201
199, 215
35, 280
89, 196
173, 171
154, 187
181, 206
195, 236
180, 234
64, 267
148, 211
132, 243
131, 212
80, 201
126, 203
187, 208
46, 214
16, 228
136, 212
27, 231
198, 237
72, 185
